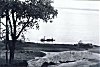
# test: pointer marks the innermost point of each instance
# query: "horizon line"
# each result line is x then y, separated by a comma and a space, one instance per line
78, 8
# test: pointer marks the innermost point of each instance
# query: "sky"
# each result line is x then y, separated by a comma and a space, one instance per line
76, 20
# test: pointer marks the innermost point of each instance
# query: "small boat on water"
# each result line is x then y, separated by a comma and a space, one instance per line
47, 40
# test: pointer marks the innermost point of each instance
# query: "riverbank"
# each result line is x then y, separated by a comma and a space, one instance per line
67, 59
57, 54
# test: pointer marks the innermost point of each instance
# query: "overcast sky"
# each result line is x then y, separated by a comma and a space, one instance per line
76, 20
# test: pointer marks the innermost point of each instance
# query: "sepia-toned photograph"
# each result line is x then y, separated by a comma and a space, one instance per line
49, 33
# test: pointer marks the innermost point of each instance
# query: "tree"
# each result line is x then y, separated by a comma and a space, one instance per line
22, 15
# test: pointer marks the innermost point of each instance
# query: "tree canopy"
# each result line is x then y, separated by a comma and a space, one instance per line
24, 14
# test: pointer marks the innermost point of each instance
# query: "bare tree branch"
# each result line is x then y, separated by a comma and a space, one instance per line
3, 24
23, 27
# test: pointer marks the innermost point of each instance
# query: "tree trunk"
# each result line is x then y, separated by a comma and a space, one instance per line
12, 47
12, 51
6, 53
7, 36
